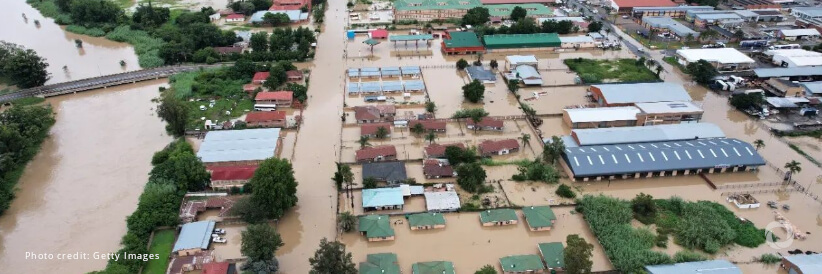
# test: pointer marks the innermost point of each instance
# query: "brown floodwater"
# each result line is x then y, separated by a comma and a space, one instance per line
98, 56
75, 194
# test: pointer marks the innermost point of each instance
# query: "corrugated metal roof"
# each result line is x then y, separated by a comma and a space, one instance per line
461, 39
501, 41
293, 15
442, 201
799, 32
643, 93
377, 197
787, 72
389, 171
668, 107
632, 158
410, 37
533, 9
585, 115
552, 254
403, 5
645, 134
479, 73
239, 145
194, 235
719, 55
414, 85
670, 24
812, 87
703, 267
807, 263
577, 39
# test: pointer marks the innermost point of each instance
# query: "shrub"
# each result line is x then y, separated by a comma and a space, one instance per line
96, 32
769, 258
537, 171
685, 256
565, 192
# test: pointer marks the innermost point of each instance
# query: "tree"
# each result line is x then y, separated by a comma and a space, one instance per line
518, 13
431, 137
476, 16
746, 101
457, 155
183, 167
363, 141
471, 177
462, 64
430, 107
276, 19
739, 34
658, 70
577, 255
595, 26
759, 144
259, 42
273, 187
63, 5
474, 91
276, 77
343, 175
346, 221
95, 12
331, 258
553, 149
175, 113
369, 182
260, 242
526, 139
350, 4
793, 167
513, 85
566, 192
644, 208
708, 34
470, 113
381, 133
689, 38
486, 269
300, 91
494, 64
418, 129
22, 67
702, 71
148, 17
477, 117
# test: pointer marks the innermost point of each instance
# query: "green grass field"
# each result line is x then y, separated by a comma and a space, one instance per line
610, 71
161, 244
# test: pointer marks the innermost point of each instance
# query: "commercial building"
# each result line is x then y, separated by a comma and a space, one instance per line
226, 177
239, 147
754, 4
652, 159
789, 58
668, 25
481, 74
723, 59
673, 12
290, 4
371, 130
423, 221
793, 74
436, 267
810, 17
535, 41
553, 254
605, 117
794, 34
782, 87
461, 42
662, 113
539, 218
500, 216
611, 95
513, 61
503, 11
769, 15
722, 18
646, 134
577, 42
812, 89
376, 154
438, 150
803, 263
389, 172
386, 198
427, 10
626, 6
713, 267
502, 147
194, 237
266, 119
378, 34
376, 228
527, 75
442, 201
521, 264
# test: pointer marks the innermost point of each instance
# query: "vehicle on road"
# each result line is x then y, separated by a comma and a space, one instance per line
265, 107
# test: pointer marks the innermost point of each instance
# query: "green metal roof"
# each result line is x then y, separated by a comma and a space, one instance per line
417, 37
437, 267
538, 216
423, 219
462, 39
521, 263
504, 10
380, 263
376, 226
553, 255
498, 215
535, 40
403, 5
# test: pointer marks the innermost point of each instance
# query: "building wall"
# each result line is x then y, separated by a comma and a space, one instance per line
578, 45
791, 268
596, 124
235, 163
226, 184
380, 239
650, 119
512, 222
426, 227
279, 103
383, 207
270, 123
188, 252
379, 159
428, 15
461, 50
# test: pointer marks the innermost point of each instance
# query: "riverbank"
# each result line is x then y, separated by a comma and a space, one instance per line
24, 130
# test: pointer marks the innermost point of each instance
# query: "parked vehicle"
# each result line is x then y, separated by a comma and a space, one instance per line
219, 231
220, 240
788, 46
265, 107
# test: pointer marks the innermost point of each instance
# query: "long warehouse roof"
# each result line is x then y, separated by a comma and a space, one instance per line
643, 93
787, 72
660, 156
239, 145
659, 133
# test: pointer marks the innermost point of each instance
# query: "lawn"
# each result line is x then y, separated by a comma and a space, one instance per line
611, 71
236, 107
161, 244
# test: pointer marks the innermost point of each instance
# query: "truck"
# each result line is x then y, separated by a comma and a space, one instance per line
753, 43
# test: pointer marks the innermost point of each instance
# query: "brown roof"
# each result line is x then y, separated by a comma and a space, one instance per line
373, 112
494, 146
274, 95
264, 116
644, 3
294, 73
222, 173
250, 87
437, 168
429, 124
437, 150
374, 152
216, 268
196, 261
487, 122
371, 129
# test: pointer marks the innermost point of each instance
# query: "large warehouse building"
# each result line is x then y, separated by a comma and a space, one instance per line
502, 42
239, 147
611, 95
627, 135
723, 59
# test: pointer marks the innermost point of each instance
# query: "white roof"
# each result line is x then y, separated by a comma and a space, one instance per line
584, 115
562, 18
239, 145
577, 39
799, 32
786, 102
720, 55
796, 57
644, 134
517, 59
643, 93
668, 107
442, 201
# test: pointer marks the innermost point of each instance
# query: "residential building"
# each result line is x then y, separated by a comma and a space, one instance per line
626, 6
438, 150
194, 237
577, 42
259, 77
521, 264
409, 190
501, 147
376, 228
789, 58
645, 134
503, 11
553, 254
370, 130
188, 263
797, 34
612, 95
539, 218
376, 154
227, 177
374, 114
223, 204
803, 263
386, 198
279, 98
389, 172
723, 59
290, 5
295, 15
234, 18
500, 216
486, 123
669, 25
220, 268
423, 221
427, 10
461, 42
481, 74
515, 42
527, 75
714, 267
266, 119
239, 147
671, 11
251, 88
442, 201
380, 263
435, 169
294, 75
436, 267
605, 117
514, 61
662, 113
429, 125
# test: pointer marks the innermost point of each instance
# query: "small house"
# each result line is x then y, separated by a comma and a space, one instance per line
376, 228
485, 124
236, 17
279, 98
553, 255
378, 34
220, 268
259, 77
389, 172
225, 177
422, 221
442, 201
501, 147
266, 119
435, 169
436, 267
481, 74
386, 198
521, 264
438, 150
380, 263
539, 218
294, 75
376, 154
502, 216
370, 130
194, 237
374, 114
429, 125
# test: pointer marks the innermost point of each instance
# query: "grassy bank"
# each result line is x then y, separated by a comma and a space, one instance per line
24, 130
804, 154
607, 71
161, 244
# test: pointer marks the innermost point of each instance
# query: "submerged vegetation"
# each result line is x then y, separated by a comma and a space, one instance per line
22, 130
606, 71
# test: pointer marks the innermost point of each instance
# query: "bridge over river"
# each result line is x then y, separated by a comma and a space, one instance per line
102, 82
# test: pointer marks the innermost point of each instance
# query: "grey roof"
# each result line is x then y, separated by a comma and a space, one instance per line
392, 85
576, 39
528, 75
813, 87
670, 24
785, 102
390, 71
293, 15
668, 107
703, 267
807, 263
479, 73
353, 87
194, 235
244, 34
810, 11
632, 158
388, 171
718, 16
787, 72
414, 85
643, 93
676, 8
595, 35
239, 145
442, 201
644, 134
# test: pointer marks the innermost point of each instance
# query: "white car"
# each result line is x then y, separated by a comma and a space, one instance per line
220, 240
219, 231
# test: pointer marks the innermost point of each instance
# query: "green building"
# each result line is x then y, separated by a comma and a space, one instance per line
504, 10
380, 263
552, 254
437, 267
521, 263
376, 227
516, 41
539, 217
502, 216
462, 42
427, 10
426, 221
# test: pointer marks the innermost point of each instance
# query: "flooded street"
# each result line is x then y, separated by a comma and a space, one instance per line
98, 56
75, 194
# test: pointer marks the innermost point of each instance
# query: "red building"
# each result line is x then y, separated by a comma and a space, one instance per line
279, 98
376, 154
265, 118
259, 77
461, 42
378, 34
290, 5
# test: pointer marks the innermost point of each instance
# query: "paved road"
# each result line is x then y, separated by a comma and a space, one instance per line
102, 81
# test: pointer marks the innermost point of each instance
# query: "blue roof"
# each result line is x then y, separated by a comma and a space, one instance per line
353, 72
369, 72
390, 71
392, 86
414, 85
194, 235
812, 87
703, 267
370, 87
480, 73
658, 133
353, 87
807, 263
408, 70
376, 197
787, 72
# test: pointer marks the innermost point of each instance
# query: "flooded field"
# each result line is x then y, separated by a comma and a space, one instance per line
87, 155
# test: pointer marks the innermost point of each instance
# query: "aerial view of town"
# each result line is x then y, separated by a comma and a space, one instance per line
411, 136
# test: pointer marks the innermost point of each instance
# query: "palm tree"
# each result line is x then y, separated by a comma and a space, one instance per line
526, 139
431, 137
793, 167
346, 221
418, 129
382, 133
363, 141
759, 144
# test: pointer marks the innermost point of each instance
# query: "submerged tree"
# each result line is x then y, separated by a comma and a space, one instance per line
331, 258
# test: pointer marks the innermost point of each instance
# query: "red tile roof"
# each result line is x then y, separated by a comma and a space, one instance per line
220, 173
216, 268
369, 153
294, 73
373, 112
250, 87
274, 95
436, 168
429, 124
371, 129
487, 122
235, 16
379, 33
437, 150
264, 116
260, 76
494, 146
644, 3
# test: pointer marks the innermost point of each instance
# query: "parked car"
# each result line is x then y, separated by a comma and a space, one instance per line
219, 231
220, 240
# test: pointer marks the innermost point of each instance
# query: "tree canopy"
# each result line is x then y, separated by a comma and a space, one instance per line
745, 101
474, 91
21, 66
518, 13
471, 177
22, 130
260, 242
577, 255
273, 187
331, 258
476, 16
174, 112
702, 71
